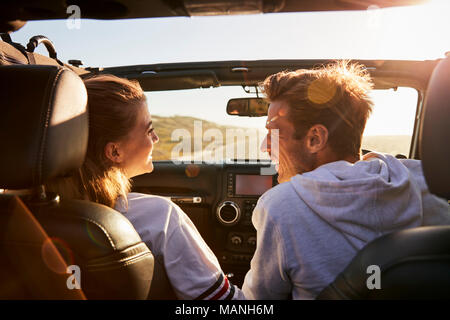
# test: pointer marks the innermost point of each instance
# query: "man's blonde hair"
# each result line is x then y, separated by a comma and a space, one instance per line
335, 95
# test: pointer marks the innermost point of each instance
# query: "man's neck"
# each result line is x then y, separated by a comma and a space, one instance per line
329, 156
352, 159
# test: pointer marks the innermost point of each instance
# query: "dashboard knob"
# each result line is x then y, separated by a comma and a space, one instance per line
251, 241
236, 240
228, 213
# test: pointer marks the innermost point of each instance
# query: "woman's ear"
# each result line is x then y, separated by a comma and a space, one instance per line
113, 152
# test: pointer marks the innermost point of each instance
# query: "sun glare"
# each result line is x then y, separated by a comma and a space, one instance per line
421, 30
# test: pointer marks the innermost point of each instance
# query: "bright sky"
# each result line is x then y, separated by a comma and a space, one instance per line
416, 33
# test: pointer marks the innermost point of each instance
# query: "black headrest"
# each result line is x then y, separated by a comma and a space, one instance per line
435, 133
44, 124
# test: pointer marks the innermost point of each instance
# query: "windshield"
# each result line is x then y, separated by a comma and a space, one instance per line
193, 124
405, 33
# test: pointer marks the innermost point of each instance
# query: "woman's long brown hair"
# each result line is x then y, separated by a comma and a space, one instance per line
113, 104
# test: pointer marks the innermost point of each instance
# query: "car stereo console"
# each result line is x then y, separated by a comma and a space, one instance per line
242, 188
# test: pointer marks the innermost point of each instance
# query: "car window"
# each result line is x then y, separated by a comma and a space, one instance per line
390, 127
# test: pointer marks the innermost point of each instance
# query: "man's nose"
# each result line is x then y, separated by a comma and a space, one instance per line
155, 138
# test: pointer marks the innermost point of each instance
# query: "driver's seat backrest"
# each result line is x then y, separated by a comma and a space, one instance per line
44, 134
414, 263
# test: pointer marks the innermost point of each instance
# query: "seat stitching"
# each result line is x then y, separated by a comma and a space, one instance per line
47, 118
123, 260
415, 258
126, 253
103, 229
94, 222
122, 264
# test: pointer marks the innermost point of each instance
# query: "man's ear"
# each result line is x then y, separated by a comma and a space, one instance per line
316, 138
113, 152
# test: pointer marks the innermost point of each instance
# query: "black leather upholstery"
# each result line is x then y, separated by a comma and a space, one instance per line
114, 263
44, 121
414, 263
434, 150
161, 287
48, 139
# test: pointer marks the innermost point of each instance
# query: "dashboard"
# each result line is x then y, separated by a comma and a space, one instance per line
219, 199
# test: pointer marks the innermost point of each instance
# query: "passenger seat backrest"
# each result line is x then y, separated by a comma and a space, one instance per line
44, 135
435, 131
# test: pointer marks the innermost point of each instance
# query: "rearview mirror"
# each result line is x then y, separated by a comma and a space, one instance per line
248, 107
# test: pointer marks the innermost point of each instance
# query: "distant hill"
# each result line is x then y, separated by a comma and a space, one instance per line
165, 126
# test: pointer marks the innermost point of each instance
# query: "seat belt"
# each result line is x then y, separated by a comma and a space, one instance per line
6, 37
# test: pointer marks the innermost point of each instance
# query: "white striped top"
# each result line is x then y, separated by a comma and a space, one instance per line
191, 266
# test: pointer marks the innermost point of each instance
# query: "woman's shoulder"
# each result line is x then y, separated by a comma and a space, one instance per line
140, 199
151, 211
136, 196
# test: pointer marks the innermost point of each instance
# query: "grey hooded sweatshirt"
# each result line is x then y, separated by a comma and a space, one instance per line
309, 228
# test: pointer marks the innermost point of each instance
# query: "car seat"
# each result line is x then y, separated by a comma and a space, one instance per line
44, 135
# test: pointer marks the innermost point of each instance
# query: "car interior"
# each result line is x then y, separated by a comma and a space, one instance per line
45, 109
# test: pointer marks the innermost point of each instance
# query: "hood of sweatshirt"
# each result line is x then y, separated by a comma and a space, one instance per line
366, 199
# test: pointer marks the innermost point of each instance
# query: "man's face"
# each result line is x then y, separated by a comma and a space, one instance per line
290, 154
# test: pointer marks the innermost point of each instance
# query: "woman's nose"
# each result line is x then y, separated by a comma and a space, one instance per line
265, 145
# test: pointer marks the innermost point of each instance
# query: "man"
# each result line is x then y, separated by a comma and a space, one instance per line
329, 203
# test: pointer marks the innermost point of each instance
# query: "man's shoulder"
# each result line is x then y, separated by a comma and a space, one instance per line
278, 193
278, 201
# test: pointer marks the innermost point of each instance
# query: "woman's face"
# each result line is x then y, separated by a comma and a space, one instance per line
137, 147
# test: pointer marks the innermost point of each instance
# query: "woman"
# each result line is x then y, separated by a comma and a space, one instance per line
121, 141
